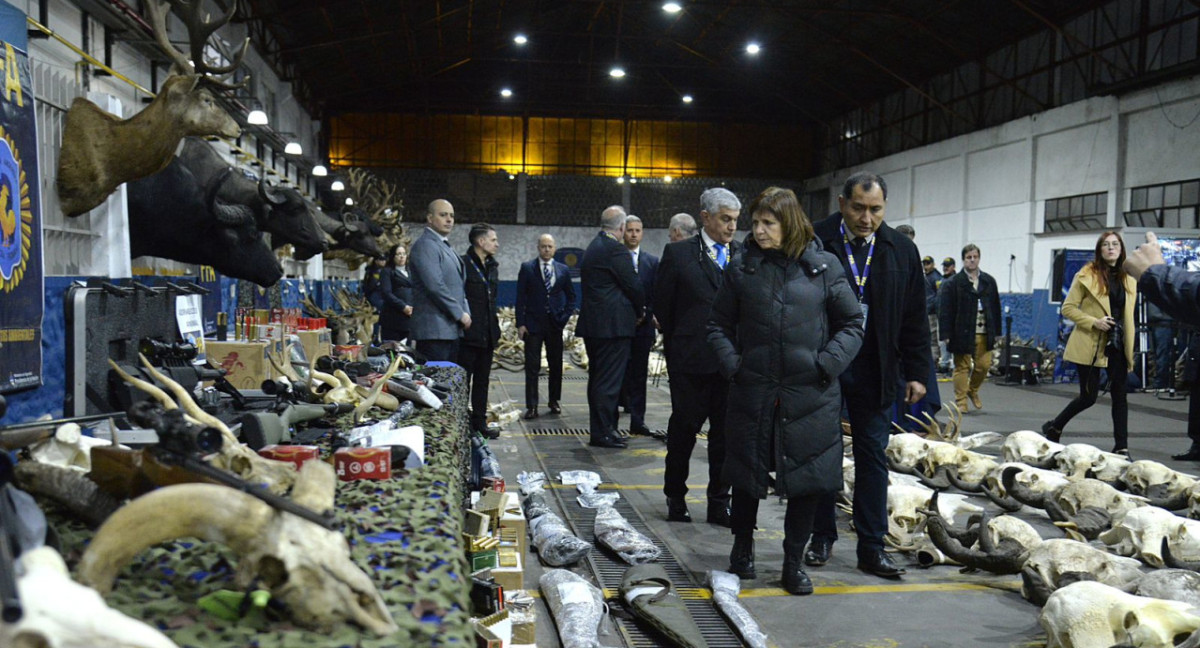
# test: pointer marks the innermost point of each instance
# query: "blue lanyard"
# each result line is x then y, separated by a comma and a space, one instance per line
859, 280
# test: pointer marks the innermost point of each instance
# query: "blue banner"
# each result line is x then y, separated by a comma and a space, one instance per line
1072, 264
21, 290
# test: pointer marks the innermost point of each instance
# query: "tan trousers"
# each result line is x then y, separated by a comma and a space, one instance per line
970, 370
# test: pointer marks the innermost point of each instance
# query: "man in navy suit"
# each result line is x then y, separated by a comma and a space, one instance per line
688, 278
633, 388
440, 309
545, 301
612, 306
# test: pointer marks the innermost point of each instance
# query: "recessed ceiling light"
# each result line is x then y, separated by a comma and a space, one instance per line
506, 93
520, 39
672, 7
753, 48
687, 98
616, 72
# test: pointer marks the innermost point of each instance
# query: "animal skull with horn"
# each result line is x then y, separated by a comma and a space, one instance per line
101, 151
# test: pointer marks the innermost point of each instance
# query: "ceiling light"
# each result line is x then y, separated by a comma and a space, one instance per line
620, 179
616, 72
257, 117
349, 201
667, 178
753, 48
672, 7
520, 39
506, 93
687, 98
337, 185
512, 177
633, 181
293, 148
320, 171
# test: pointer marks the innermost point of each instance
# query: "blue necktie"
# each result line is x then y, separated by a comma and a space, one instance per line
546, 277
634, 256
721, 258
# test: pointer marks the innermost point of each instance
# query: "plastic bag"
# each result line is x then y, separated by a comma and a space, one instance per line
725, 588
580, 478
531, 481
555, 543
614, 532
577, 607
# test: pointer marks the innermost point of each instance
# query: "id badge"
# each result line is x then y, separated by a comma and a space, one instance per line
864, 308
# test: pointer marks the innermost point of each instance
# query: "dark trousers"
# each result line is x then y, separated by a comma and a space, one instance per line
1089, 389
870, 426
607, 358
633, 387
478, 363
440, 350
533, 363
797, 522
1163, 338
694, 399
931, 404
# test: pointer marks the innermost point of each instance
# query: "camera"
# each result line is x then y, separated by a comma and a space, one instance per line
1116, 337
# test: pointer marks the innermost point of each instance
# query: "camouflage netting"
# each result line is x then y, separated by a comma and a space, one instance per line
405, 532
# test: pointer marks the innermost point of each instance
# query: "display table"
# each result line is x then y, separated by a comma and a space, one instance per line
404, 532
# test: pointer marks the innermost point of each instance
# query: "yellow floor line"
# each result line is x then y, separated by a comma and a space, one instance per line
627, 486
699, 593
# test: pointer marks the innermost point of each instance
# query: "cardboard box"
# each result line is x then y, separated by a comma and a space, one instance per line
486, 559
296, 454
316, 344
510, 578
494, 631
362, 463
492, 483
245, 363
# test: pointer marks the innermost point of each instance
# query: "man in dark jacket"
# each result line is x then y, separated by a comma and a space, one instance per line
689, 275
612, 306
479, 341
932, 279
633, 386
884, 268
545, 301
969, 322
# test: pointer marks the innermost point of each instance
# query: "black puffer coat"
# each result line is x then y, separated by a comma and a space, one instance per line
783, 330
960, 307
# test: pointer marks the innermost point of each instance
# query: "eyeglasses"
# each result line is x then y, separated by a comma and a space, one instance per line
1111, 244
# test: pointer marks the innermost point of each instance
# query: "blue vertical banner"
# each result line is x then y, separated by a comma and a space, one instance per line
21, 273
1074, 261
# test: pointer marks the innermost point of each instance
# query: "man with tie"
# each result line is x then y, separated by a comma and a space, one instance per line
688, 278
633, 387
545, 300
612, 306
440, 309
884, 268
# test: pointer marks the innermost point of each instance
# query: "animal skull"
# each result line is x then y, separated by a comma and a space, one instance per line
305, 566
1093, 615
1030, 447
68, 448
1161, 485
1055, 563
60, 613
1141, 532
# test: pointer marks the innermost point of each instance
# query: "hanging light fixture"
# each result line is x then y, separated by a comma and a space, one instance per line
257, 117
293, 148
320, 171
350, 201
337, 185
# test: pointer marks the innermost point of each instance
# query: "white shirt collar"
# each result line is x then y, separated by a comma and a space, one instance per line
708, 242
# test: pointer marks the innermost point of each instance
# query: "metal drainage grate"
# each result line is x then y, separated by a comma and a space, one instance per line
623, 433
566, 377
608, 569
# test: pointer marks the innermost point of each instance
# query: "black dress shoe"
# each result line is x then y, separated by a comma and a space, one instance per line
1050, 432
531, 413
639, 428
609, 441
818, 553
554, 408
880, 564
1193, 454
718, 514
677, 510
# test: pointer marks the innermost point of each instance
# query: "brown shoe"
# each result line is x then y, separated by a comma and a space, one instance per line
962, 405
975, 401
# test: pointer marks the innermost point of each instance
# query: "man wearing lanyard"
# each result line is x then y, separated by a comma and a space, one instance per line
885, 271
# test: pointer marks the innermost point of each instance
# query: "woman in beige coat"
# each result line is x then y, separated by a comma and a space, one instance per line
1101, 303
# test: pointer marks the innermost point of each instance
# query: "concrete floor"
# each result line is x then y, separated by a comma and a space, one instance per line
934, 607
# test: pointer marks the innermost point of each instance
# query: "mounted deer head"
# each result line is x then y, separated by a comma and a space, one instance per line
101, 151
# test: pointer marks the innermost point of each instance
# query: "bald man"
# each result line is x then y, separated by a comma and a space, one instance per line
440, 309
545, 301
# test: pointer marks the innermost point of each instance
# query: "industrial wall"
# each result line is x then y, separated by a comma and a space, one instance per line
998, 187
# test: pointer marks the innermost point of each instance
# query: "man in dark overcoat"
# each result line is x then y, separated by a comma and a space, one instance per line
884, 268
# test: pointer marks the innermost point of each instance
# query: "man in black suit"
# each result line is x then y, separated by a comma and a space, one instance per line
633, 387
688, 278
613, 305
885, 271
545, 300
479, 342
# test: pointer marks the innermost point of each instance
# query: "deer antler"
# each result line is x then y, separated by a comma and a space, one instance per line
199, 30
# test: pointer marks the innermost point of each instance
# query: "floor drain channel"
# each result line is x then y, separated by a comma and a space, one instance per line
609, 569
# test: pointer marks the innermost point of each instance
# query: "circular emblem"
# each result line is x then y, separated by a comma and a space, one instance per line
355, 468
16, 216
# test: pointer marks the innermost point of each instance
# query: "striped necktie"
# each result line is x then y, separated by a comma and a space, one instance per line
547, 277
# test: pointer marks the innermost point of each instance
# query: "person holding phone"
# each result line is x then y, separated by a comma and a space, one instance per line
1101, 303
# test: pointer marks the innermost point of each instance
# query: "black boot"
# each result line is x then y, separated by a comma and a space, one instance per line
1193, 454
1050, 432
741, 559
795, 581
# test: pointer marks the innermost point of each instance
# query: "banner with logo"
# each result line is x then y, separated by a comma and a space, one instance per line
21, 289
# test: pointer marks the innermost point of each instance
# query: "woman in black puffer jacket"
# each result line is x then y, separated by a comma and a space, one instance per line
784, 325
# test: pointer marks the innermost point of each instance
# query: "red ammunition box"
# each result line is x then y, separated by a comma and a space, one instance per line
362, 463
296, 454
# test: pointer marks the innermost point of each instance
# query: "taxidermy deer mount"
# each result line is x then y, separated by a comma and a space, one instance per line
101, 151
